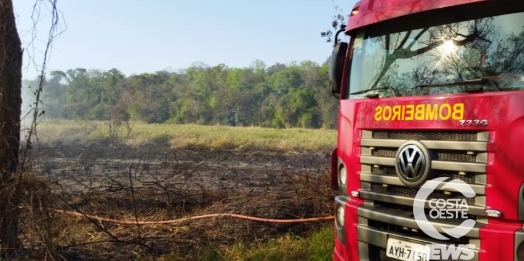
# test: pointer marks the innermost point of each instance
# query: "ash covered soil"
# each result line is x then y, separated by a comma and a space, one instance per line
155, 183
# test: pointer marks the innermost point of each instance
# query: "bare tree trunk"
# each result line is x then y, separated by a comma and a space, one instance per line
10, 110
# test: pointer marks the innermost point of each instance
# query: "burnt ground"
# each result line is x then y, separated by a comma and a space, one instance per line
155, 182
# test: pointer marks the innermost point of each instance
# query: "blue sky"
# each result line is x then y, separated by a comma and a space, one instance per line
137, 36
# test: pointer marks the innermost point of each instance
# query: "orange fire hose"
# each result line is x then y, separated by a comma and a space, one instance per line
130, 222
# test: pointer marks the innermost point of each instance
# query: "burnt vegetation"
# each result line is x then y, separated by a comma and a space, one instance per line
156, 184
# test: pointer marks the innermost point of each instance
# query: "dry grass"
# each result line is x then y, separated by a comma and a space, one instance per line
239, 139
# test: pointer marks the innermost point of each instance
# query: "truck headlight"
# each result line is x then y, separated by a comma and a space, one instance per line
340, 215
342, 175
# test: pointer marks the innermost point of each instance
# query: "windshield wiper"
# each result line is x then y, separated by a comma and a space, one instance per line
387, 87
482, 80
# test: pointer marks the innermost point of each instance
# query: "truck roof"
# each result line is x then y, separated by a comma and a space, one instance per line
368, 12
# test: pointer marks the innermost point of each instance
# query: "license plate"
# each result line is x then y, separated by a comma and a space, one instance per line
407, 251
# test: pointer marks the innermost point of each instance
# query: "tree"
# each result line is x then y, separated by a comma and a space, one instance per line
10, 110
55, 95
337, 20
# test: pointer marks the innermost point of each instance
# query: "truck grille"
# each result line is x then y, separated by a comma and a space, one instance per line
446, 155
457, 155
407, 192
390, 171
426, 135
387, 170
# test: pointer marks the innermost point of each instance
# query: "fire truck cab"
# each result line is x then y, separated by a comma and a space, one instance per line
429, 162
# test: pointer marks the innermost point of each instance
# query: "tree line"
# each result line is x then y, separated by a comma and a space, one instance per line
277, 96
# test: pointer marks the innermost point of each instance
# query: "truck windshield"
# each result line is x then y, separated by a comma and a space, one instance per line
489, 48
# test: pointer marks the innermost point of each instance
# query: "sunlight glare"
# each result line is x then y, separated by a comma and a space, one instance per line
449, 47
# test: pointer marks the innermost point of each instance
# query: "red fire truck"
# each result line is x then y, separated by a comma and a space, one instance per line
431, 93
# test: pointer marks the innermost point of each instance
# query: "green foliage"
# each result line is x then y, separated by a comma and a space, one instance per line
317, 247
279, 96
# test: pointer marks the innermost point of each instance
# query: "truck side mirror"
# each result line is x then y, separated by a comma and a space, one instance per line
336, 67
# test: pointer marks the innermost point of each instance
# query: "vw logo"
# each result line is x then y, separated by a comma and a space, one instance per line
412, 164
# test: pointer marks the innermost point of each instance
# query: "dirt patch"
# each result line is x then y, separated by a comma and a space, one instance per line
155, 182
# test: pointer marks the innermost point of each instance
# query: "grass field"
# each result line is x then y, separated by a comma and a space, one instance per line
174, 171
318, 246
238, 139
